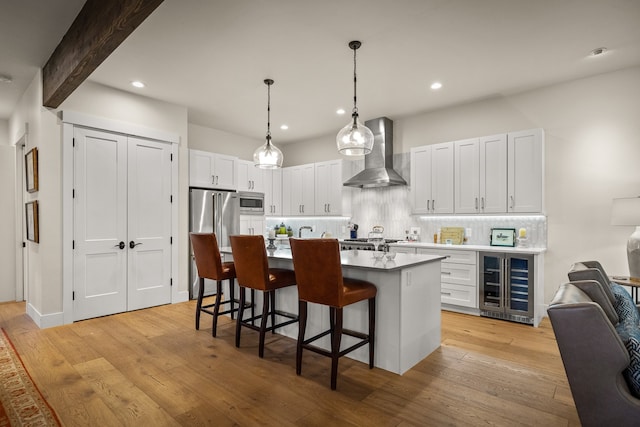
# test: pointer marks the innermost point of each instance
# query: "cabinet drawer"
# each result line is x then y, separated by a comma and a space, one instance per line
461, 257
466, 296
459, 274
402, 250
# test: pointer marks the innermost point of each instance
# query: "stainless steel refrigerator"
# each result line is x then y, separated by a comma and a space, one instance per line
211, 211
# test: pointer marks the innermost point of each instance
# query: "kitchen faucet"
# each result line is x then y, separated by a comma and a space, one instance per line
304, 227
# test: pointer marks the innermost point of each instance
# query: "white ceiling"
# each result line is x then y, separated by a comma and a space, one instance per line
212, 56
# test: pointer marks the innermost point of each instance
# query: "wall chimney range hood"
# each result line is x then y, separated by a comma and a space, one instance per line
378, 165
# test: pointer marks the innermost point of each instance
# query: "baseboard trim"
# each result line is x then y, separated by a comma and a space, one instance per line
45, 321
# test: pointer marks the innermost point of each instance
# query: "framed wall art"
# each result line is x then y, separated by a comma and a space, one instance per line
33, 233
31, 168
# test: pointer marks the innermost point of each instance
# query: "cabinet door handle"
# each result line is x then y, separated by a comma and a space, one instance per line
445, 293
482, 202
213, 179
476, 203
433, 205
428, 205
328, 207
448, 273
511, 202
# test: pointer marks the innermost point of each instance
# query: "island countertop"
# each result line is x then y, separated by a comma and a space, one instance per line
360, 259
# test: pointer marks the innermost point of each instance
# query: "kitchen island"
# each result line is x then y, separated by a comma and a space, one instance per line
407, 306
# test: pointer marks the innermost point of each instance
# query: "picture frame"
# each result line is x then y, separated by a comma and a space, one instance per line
31, 170
503, 237
33, 232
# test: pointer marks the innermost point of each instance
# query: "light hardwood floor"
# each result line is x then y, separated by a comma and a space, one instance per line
152, 368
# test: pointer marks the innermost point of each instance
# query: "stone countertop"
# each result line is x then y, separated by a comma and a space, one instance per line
483, 248
361, 259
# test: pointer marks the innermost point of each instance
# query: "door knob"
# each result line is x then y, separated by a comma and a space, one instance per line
132, 244
120, 245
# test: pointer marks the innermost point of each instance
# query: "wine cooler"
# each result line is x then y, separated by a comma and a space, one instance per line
507, 286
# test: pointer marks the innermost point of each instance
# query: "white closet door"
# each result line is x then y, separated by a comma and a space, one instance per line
100, 224
149, 219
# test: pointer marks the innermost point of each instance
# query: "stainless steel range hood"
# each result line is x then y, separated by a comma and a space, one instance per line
378, 165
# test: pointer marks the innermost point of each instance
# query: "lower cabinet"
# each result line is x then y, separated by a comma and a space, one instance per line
459, 277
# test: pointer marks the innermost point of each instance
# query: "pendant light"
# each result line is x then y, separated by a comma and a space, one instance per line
268, 156
355, 139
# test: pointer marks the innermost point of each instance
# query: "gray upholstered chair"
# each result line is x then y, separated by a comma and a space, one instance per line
593, 354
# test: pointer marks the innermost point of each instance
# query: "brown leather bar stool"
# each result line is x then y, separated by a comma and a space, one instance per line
253, 272
319, 278
210, 266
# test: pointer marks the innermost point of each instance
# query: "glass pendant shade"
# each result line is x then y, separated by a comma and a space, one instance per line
355, 139
268, 156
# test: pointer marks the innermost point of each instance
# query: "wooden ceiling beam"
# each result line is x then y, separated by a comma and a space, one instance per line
97, 31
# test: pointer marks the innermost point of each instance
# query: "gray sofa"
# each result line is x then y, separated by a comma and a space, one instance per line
594, 356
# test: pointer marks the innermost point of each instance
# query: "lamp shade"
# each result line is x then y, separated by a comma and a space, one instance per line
268, 156
626, 211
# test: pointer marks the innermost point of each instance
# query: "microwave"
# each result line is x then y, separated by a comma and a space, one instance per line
251, 203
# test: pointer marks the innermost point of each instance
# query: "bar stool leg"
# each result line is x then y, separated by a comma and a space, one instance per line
240, 313
199, 302
372, 330
263, 322
273, 311
216, 307
336, 337
302, 326
231, 296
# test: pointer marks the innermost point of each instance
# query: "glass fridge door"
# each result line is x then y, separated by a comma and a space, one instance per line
491, 282
520, 285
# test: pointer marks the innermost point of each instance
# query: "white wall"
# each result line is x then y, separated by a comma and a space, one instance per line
592, 149
217, 141
7, 215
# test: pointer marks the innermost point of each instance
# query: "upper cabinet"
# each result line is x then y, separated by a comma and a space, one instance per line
493, 174
272, 179
329, 190
432, 173
249, 177
211, 170
481, 175
525, 187
298, 190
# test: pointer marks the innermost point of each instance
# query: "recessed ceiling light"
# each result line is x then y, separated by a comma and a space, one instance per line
284, 127
4, 78
598, 51
137, 84
436, 85
340, 111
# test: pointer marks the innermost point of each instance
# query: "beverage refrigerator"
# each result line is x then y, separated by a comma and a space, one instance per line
211, 211
507, 286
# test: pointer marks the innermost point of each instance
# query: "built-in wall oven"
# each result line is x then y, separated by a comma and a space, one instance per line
251, 203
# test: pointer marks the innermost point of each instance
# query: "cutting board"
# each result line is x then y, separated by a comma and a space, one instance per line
455, 234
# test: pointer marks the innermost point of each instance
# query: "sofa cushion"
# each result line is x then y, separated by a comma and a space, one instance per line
629, 331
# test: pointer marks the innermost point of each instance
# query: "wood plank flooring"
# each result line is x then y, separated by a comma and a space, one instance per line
152, 368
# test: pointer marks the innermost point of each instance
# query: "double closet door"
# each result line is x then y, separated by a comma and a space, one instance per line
122, 223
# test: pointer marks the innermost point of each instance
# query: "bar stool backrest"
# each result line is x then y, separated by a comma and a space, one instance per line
250, 259
207, 255
316, 263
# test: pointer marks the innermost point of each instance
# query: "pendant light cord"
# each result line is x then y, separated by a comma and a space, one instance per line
355, 81
268, 112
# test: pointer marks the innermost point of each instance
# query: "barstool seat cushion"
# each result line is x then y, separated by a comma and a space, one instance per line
228, 270
356, 290
280, 278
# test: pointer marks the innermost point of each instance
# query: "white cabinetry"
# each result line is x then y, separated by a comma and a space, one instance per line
481, 175
272, 179
432, 178
211, 170
329, 190
249, 177
459, 277
526, 171
252, 224
298, 190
